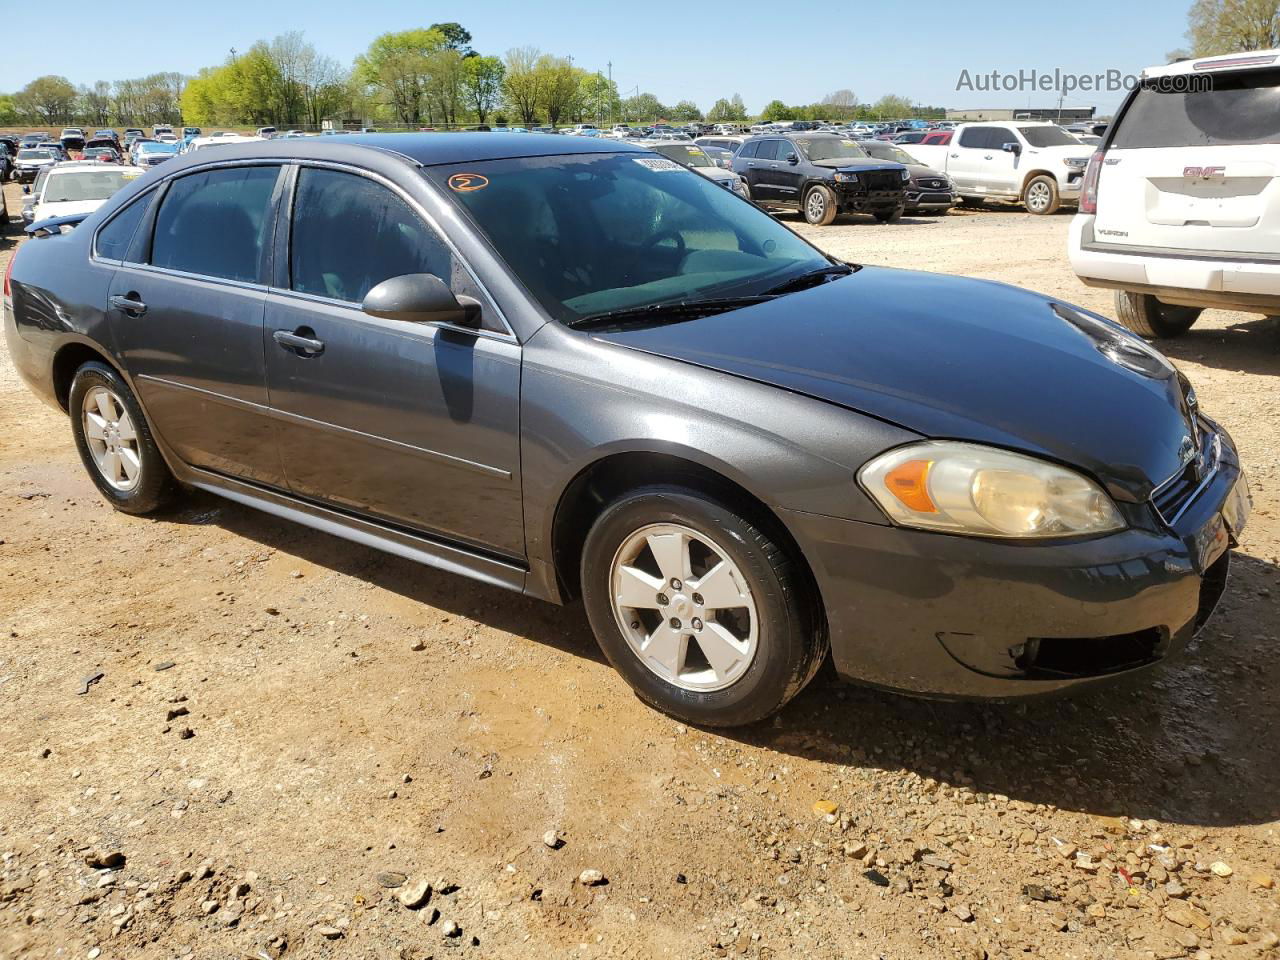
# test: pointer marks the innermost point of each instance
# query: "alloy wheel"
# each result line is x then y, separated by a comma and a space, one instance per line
815, 205
1038, 196
685, 608
112, 439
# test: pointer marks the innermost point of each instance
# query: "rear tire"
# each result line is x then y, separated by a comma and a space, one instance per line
819, 206
1148, 317
778, 638
1041, 196
115, 442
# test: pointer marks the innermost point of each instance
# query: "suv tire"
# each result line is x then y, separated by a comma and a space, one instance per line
778, 639
819, 206
115, 442
888, 216
1148, 317
1041, 196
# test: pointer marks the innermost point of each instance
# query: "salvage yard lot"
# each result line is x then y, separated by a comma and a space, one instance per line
290, 731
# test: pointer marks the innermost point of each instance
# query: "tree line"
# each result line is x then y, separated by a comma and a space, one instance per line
428, 76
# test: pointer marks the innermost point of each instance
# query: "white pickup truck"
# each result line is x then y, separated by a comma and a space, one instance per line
1034, 162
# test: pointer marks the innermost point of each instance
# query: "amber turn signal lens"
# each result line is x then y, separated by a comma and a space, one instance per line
909, 483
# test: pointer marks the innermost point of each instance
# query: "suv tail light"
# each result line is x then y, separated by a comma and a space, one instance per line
1089, 191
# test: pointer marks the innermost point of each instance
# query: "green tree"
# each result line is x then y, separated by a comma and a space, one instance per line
1227, 26
840, 105
891, 106
9, 115
49, 100
456, 37
643, 107
776, 110
720, 111
397, 65
559, 87
482, 84
522, 82
685, 111
96, 103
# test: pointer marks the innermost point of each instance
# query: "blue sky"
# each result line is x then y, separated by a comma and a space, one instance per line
676, 50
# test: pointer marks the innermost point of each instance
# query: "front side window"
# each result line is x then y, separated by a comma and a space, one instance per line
216, 223
592, 233
979, 138
351, 233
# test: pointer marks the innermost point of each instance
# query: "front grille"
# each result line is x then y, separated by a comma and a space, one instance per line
1176, 493
931, 184
882, 180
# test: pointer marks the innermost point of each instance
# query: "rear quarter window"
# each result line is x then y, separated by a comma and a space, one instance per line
1232, 110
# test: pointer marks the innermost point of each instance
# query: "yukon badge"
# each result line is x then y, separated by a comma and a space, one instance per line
1204, 173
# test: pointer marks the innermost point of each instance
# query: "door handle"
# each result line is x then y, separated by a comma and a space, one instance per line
304, 346
129, 303
955, 155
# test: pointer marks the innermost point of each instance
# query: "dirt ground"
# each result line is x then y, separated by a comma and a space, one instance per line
291, 734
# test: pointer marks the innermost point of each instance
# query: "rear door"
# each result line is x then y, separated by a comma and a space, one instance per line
1196, 171
186, 310
413, 423
969, 157
764, 167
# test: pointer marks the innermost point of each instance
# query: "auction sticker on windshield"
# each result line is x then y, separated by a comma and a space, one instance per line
467, 182
657, 163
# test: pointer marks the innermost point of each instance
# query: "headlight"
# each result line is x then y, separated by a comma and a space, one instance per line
906, 175
846, 177
737, 187
1077, 163
981, 491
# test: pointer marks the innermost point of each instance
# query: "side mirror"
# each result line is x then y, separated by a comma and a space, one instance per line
1014, 148
421, 298
792, 159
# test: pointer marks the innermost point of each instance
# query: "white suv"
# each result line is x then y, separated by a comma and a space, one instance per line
1181, 205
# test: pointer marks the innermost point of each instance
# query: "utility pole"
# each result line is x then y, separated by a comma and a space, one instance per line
609, 91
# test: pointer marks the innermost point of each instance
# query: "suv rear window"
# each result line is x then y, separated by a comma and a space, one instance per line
1240, 108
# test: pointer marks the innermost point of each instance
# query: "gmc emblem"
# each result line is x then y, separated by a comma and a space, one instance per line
1204, 173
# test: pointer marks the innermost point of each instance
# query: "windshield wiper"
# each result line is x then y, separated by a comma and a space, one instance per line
811, 279
666, 312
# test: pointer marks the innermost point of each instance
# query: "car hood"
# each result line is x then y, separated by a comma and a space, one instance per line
920, 172
957, 358
66, 208
853, 163
716, 173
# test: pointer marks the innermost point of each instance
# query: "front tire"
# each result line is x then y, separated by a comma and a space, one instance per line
1041, 196
820, 206
888, 216
703, 612
1148, 317
115, 442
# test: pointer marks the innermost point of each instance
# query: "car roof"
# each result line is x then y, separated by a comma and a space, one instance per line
425, 149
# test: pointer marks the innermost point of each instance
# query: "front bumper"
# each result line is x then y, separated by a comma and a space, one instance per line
861, 198
26, 174
961, 617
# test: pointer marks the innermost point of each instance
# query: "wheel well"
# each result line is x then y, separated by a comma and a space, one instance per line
592, 490
1032, 175
65, 364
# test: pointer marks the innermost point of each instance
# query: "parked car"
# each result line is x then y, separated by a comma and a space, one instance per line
822, 176
191, 132
71, 142
937, 138
1036, 163
922, 476
266, 132
723, 141
200, 143
6, 163
31, 160
718, 155
1178, 210
695, 158
149, 153
78, 188
131, 134
162, 129
4, 212
928, 190
583, 130
911, 136
102, 155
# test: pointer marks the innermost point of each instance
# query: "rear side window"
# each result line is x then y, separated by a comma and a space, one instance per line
350, 234
1235, 110
216, 223
983, 138
768, 150
114, 238
748, 149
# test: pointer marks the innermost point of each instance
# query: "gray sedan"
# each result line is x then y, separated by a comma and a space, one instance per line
574, 368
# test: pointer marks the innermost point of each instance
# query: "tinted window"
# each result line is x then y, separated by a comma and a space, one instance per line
1045, 137
1239, 109
768, 149
350, 234
748, 149
113, 239
216, 223
981, 137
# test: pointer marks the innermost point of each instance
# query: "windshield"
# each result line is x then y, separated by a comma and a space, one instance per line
883, 150
829, 148
689, 155
154, 146
1048, 137
35, 155
84, 185
593, 233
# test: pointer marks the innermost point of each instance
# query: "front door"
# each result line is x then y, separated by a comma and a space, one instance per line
415, 424
187, 317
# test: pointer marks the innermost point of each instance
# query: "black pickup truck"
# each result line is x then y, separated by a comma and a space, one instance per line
821, 175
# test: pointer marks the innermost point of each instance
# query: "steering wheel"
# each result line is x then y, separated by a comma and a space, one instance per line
657, 238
